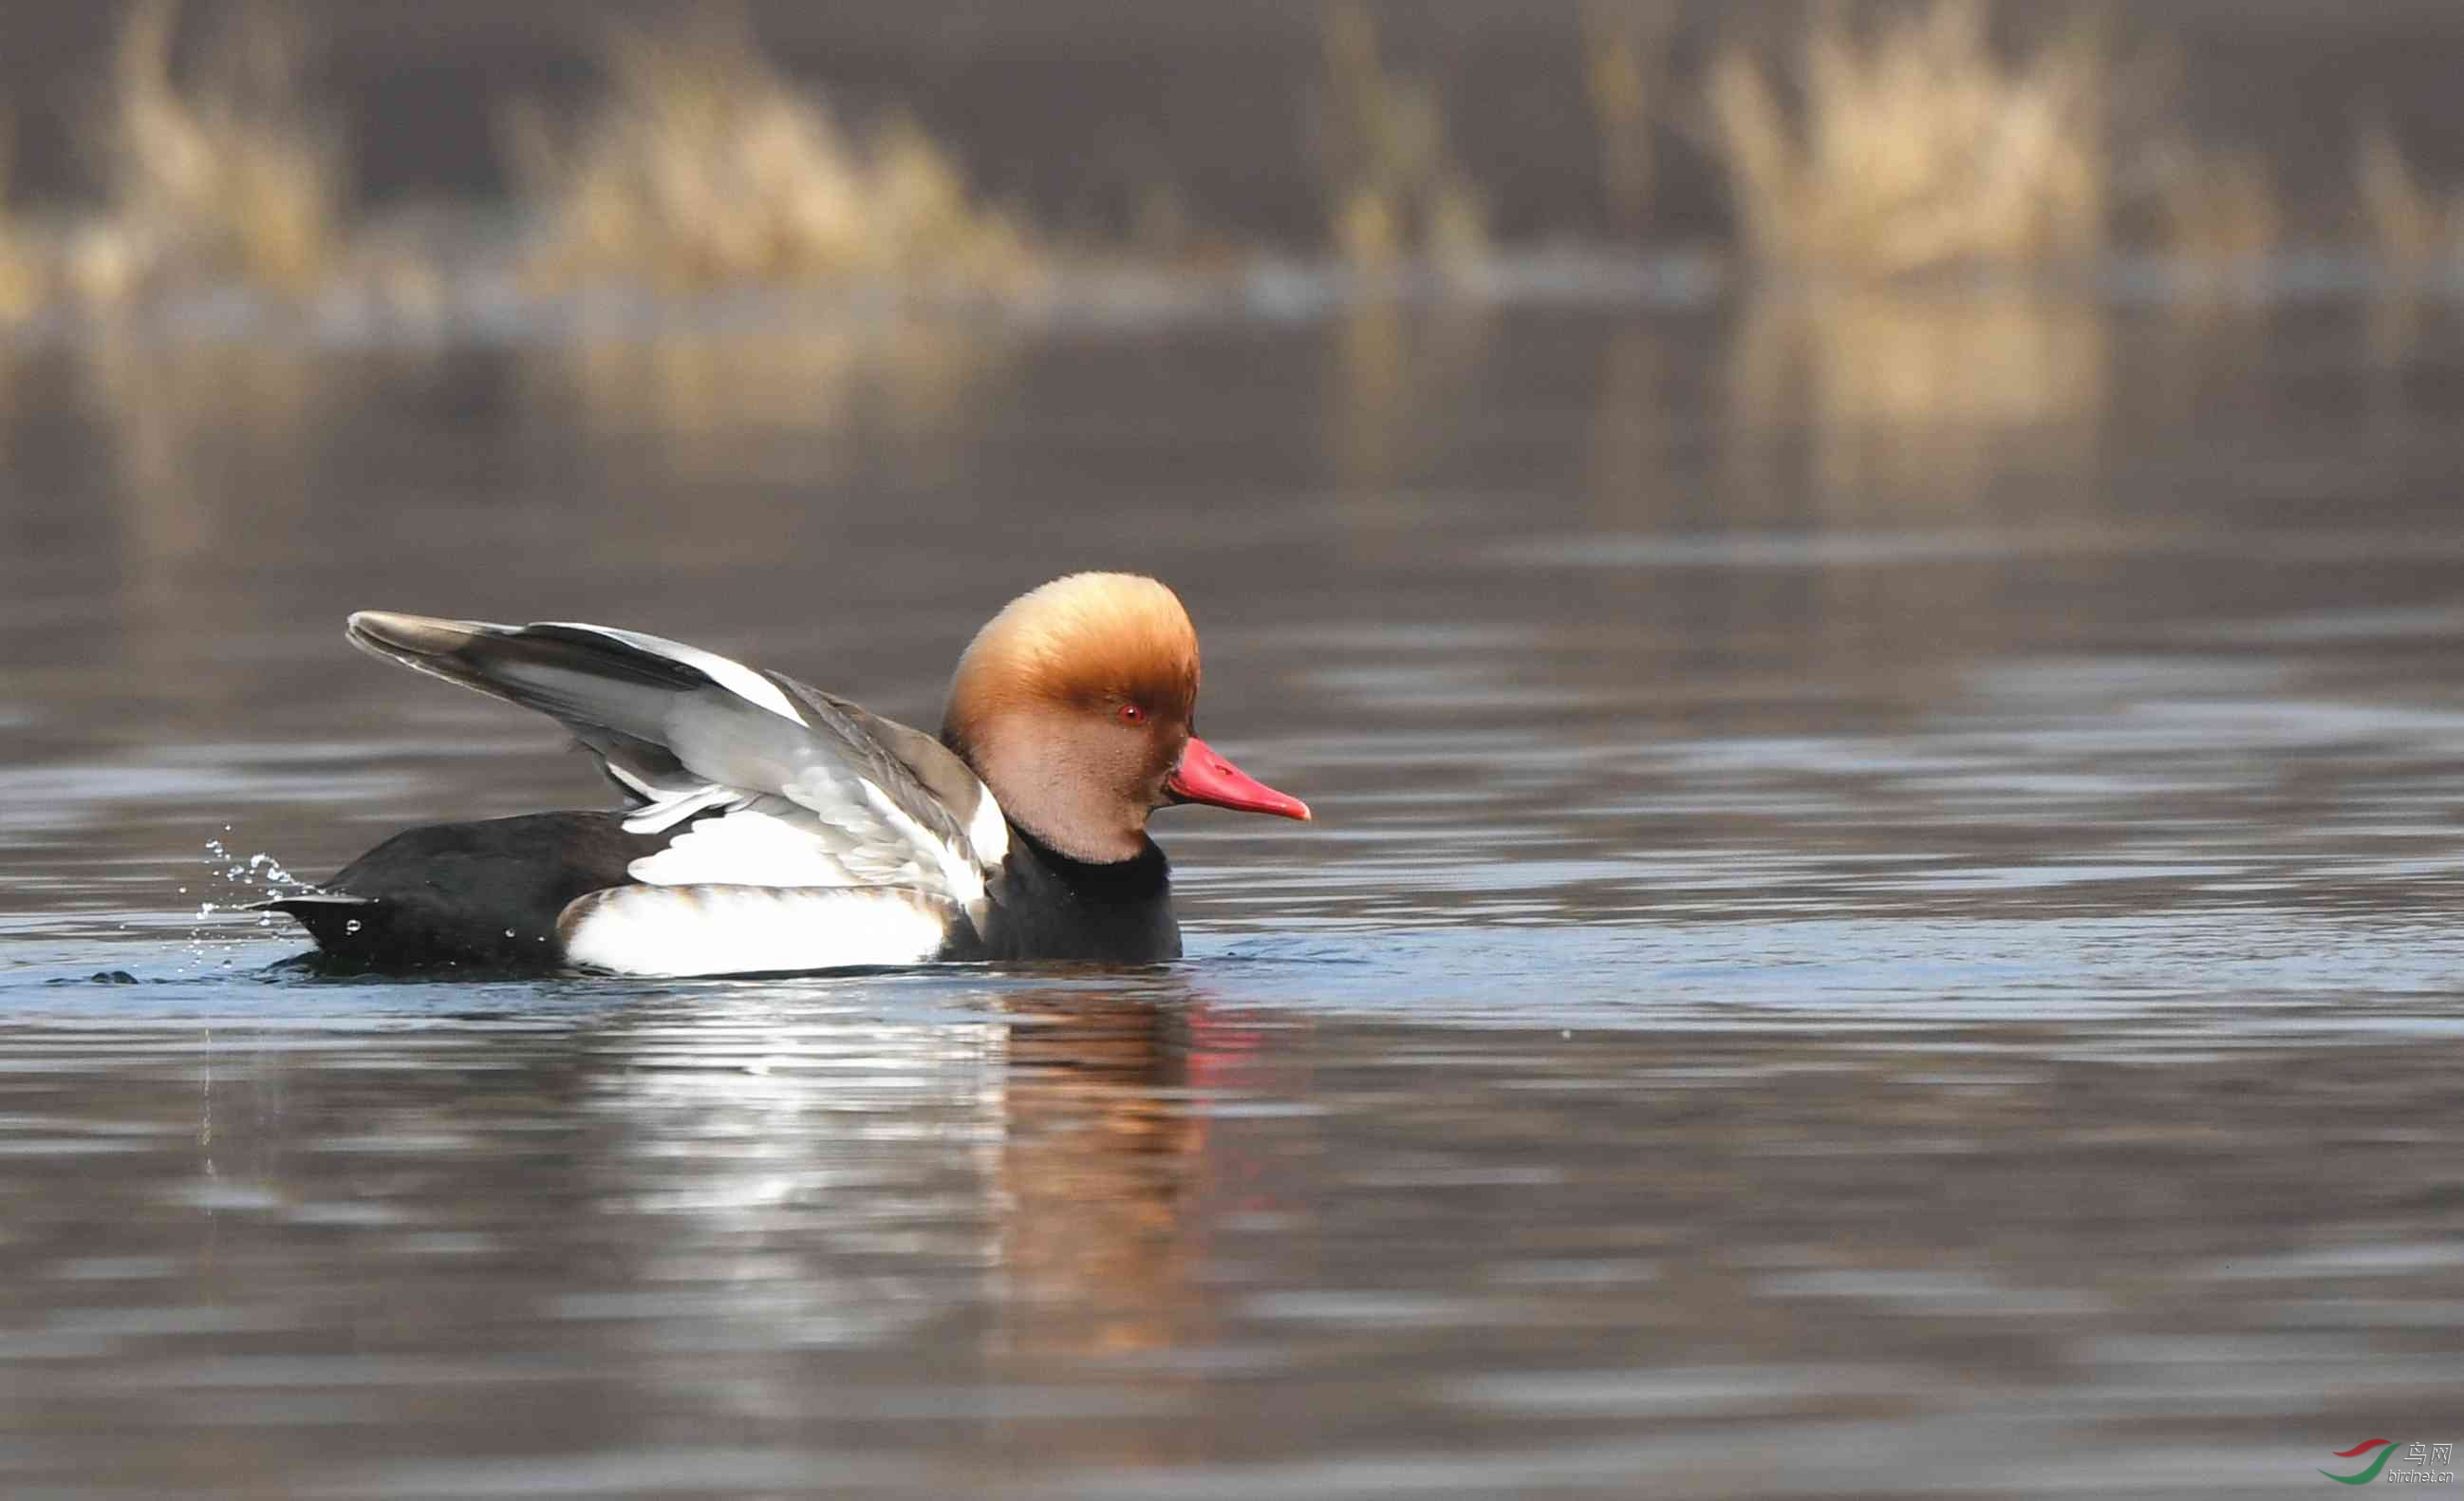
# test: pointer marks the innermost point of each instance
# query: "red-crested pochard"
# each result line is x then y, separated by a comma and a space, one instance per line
775, 827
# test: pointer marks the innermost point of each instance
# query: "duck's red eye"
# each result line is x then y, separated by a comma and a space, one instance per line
1132, 714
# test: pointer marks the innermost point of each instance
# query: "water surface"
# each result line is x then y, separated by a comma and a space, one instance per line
1880, 923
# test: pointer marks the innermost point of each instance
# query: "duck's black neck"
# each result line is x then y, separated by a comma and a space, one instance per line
1141, 878
1046, 905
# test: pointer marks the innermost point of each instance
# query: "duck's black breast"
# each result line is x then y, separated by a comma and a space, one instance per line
482, 895
1045, 905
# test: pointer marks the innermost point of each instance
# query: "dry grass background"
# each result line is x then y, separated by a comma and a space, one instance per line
2216, 210
1912, 147
1393, 189
232, 172
2414, 226
1625, 76
1870, 144
22, 271
702, 163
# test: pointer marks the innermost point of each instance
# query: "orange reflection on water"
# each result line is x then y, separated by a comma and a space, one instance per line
1915, 395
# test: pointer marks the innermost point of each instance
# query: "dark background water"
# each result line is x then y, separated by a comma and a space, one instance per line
1881, 922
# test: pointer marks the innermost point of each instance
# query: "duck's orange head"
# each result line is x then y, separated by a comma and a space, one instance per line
1074, 704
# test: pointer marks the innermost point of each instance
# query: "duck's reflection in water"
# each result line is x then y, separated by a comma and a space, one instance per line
1009, 1167
1098, 1163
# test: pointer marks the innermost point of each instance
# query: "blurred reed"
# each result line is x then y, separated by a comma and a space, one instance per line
704, 165
23, 272
1392, 191
1859, 144
1911, 146
2216, 210
2414, 226
1626, 65
229, 174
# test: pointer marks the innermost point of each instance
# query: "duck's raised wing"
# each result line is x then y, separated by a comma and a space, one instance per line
810, 790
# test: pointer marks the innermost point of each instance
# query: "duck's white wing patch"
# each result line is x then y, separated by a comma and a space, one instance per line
754, 930
923, 783
726, 671
988, 829
772, 842
950, 866
668, 812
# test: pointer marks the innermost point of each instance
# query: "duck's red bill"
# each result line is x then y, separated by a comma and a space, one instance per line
1204, 776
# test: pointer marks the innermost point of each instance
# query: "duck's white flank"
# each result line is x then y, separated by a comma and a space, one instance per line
748, 929
753, 847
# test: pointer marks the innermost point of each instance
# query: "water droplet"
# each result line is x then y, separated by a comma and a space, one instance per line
352, 926
509, 932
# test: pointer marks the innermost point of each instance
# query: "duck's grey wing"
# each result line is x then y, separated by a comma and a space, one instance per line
809, 790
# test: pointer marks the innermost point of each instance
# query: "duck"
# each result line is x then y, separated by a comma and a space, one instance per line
770, 828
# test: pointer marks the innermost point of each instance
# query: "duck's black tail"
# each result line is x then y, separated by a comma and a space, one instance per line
327, 916
483, 894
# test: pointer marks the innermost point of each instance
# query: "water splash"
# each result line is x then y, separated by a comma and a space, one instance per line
261, 867
244, 881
